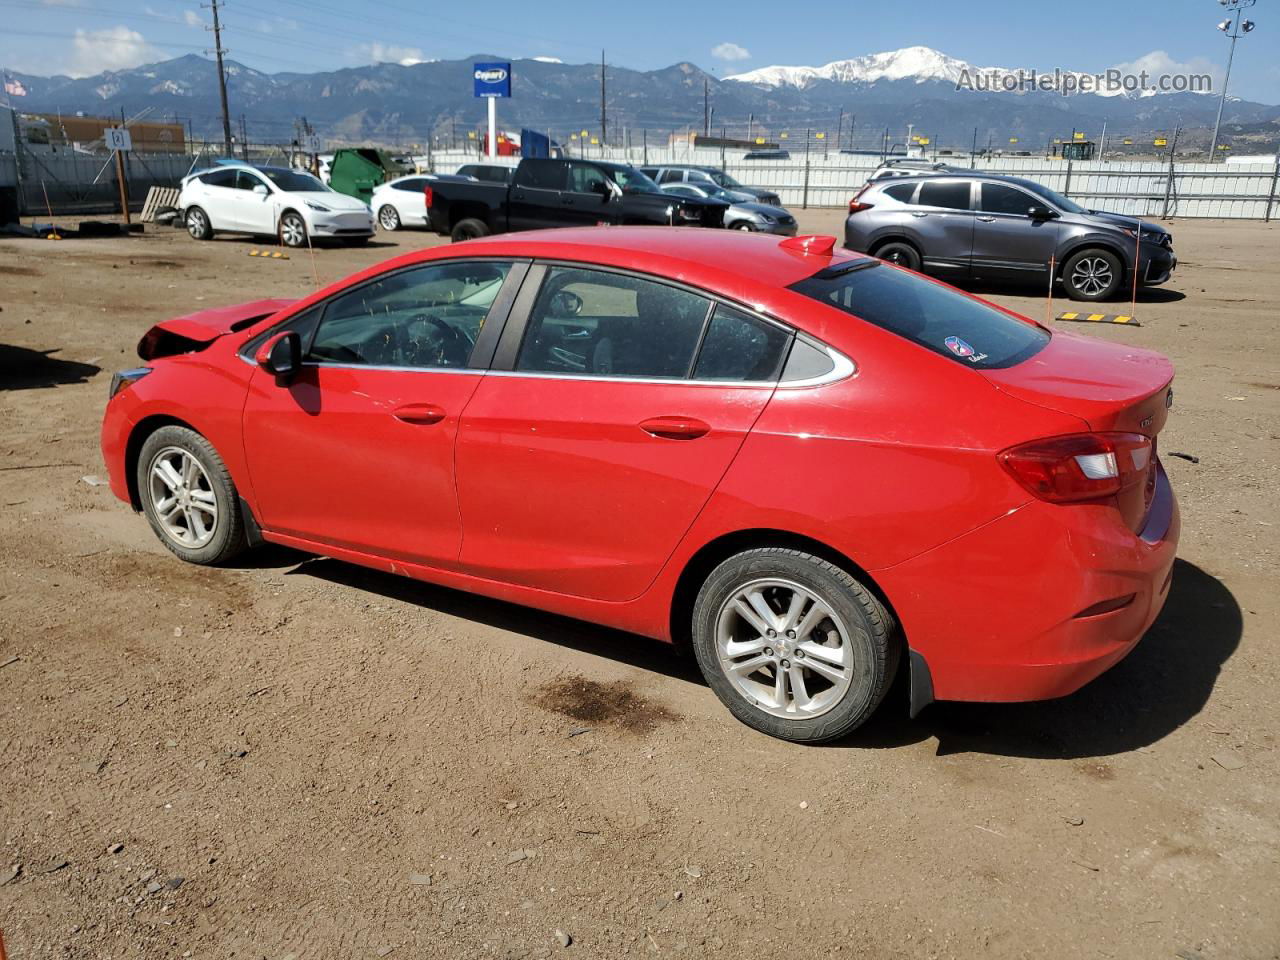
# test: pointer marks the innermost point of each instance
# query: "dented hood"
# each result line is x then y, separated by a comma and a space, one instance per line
196, 330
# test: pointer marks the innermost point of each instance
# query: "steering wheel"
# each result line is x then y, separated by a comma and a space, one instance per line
454, 349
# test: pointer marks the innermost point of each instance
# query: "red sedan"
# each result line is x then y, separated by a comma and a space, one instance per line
814, 467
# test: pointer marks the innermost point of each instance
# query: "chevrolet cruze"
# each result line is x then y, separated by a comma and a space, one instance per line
814, 467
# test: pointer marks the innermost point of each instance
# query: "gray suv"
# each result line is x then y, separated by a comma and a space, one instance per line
997, 228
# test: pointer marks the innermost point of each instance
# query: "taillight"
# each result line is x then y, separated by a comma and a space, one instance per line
428, 195
1082, 466
856, 206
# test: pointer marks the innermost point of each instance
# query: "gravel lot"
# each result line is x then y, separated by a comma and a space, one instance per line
295, 757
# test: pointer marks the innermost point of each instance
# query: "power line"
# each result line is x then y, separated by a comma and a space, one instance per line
222, 79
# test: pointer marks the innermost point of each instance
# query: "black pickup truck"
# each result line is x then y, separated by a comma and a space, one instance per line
562, 193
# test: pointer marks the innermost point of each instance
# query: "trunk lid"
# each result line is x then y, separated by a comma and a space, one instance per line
195, 331
1110, 386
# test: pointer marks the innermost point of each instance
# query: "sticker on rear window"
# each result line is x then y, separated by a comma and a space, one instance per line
958, 347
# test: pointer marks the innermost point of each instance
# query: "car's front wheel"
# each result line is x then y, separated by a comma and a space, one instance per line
388, 217
744, 225
293, 230
1092, 275
188, 496
198, 224
793, 645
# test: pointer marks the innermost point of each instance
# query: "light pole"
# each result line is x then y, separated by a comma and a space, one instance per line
1234, 28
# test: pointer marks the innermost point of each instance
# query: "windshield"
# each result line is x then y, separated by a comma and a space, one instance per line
632, 180
292, 181
722, 178
934, 316
1057, 199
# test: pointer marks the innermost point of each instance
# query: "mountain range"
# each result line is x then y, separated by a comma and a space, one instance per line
393, 104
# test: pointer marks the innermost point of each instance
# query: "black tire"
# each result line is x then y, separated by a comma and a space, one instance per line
293, 230
388, 217
198, 224
469, 229
903, 254
226, 537
872, 649
1092, 275
744, 225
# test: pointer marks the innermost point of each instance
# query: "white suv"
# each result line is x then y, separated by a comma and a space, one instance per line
270, 201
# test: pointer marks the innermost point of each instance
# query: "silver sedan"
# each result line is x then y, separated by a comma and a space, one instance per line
744, 213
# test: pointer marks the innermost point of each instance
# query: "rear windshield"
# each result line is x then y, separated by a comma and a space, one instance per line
938, 318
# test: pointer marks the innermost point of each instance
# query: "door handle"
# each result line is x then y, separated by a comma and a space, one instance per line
675, 428
420, 413
987, 219
918, 214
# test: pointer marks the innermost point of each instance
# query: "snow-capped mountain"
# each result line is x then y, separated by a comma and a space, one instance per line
918, 64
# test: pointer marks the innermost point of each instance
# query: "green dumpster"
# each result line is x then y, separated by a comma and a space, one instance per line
356, 171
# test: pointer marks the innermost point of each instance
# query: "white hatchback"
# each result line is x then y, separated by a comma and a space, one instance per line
271, 201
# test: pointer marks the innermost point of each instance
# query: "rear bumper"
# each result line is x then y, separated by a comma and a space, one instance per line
1003, 613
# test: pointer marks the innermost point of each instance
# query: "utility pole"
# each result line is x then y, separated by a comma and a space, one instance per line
706, 107
604, 122
218, 52
840, 130
1102, 141
244, 140
1234, 29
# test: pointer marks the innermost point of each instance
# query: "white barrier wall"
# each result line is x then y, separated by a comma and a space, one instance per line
1225, 191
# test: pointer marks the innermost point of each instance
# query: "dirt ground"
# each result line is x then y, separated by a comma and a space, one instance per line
298, 758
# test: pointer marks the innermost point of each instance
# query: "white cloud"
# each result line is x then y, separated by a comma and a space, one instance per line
389, 53
192, 18
114, 48
730, 51
547, 59
1158, 63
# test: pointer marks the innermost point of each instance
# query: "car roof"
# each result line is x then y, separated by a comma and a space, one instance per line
752, 268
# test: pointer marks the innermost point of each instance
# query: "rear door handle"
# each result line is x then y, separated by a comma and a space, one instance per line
987, 219
675, 428
420, 413
916, 213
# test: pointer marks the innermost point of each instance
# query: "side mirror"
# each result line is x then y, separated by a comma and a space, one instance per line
281, 355
261, 189
1038, 212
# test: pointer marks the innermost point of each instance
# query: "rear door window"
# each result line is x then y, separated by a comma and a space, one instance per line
600, 324
936, 317
541, 174
741, 347
219, 178
951, 194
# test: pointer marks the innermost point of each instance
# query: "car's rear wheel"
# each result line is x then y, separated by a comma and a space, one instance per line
903, 254
293, 230
388, 217
1092, 275
793, 645
469, 229
744, 225
198, 224
188, 496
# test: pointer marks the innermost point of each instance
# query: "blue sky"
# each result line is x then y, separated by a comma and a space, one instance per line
85, 36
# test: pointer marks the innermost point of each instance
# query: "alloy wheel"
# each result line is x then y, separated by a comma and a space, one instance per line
293, 231
784, 649
389, 218
195, 224
1091, 276
183, 497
